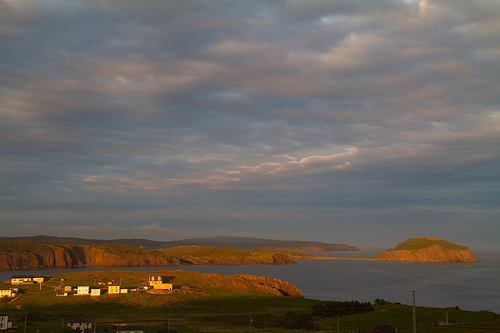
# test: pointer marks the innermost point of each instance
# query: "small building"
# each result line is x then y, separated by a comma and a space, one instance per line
123, 291
68, 289
113, 290
22, 279
449, 322
163, 286
83, 290
83, 325
130, 329
38, 279
95, 293
10, 293
5, 324
155, 279
384, 329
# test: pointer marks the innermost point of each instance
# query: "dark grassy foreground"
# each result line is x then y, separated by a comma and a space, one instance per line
201, 305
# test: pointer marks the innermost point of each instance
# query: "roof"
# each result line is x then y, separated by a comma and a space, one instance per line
21, 276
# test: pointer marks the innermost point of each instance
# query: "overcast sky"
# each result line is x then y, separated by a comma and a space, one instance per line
360, 122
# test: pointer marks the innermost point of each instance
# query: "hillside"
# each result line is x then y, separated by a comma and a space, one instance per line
427, 250
187, 286
41, 255
239, 243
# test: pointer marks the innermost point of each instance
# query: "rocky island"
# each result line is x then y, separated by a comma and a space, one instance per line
427, 250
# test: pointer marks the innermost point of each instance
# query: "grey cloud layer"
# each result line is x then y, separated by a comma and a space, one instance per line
246, 105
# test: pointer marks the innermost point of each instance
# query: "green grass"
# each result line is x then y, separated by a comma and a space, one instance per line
205, 305
415, 244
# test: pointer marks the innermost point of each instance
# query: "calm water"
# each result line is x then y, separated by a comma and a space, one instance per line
473, 286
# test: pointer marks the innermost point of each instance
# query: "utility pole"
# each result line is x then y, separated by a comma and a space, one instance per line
414, 315
338, 324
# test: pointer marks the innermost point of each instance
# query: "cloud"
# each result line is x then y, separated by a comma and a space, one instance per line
223, 108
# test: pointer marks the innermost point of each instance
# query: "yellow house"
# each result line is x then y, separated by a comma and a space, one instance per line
95, 292
113, 290
163, 286
8, 293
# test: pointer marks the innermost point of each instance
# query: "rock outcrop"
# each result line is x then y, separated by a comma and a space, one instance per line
427, 250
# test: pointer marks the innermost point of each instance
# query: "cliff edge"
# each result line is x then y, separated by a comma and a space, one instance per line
427, 250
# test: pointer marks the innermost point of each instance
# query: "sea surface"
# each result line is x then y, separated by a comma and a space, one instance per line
474, 286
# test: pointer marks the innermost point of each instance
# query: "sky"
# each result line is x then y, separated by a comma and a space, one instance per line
360, 122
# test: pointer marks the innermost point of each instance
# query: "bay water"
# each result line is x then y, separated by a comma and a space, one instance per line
470, 286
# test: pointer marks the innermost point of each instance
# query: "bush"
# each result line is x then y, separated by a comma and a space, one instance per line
333, 309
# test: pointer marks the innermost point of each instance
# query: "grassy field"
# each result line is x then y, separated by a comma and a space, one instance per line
209, 303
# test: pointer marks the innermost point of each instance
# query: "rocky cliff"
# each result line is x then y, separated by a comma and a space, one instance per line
427, 250
40, 255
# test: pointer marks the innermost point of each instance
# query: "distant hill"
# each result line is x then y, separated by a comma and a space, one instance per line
239, 243
21, 254
427, 250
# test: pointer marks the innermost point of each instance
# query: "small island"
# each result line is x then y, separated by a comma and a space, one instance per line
427, 249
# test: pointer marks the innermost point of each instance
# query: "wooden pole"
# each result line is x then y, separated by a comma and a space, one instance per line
414, 315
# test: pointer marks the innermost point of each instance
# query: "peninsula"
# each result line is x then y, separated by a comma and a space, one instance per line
42, 255
427, 249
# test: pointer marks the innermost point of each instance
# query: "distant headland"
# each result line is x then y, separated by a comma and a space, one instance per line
42, 252
427, 249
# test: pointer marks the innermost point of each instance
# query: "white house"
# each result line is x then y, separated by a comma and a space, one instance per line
38, 279
155, 279
83, 290
5, 324
22, 279
80, 324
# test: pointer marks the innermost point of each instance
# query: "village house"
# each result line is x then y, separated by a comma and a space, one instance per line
11, 293
22, 279
113, 290
95, 293
155, 279
83, 325
163, 286
130, 329
5, 324
83, 290
38, 279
